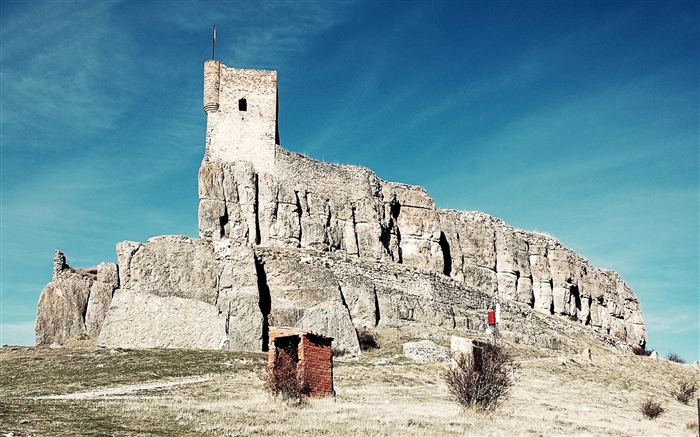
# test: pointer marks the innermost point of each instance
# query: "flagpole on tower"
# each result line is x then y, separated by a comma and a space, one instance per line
213, 43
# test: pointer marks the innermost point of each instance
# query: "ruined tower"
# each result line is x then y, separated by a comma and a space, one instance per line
241, 107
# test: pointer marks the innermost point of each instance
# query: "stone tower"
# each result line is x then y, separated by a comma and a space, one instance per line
241, 107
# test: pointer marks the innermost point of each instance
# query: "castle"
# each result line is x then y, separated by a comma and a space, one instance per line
286, 240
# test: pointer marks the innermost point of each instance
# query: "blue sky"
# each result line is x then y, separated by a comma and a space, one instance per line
579, 119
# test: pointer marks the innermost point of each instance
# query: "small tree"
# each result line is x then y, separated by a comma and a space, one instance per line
641, 351
483, 384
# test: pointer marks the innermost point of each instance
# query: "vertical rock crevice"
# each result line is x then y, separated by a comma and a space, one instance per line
377, 314
446, 255
264, 302
300, 215
256, 207
354, 230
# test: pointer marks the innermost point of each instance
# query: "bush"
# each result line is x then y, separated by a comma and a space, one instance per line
284, 381
339, 352
483, 386
641, 351
368, 339
651, 409
675, 358
686, 391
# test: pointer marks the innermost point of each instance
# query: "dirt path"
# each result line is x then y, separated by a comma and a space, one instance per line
127, 389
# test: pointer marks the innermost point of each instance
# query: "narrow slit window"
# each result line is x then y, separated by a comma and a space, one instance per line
242, 105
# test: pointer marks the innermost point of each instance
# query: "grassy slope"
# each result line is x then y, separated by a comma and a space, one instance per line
381, 394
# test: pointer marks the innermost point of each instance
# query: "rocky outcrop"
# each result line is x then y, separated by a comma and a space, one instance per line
306, 204
276, 251
539, 271
311, 204
75, 302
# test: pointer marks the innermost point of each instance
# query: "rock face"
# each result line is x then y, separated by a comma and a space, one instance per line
285, 240
189, 293
75, 302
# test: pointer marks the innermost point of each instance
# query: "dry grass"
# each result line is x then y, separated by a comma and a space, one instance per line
380, 394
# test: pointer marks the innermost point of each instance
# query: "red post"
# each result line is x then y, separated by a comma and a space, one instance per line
492, 318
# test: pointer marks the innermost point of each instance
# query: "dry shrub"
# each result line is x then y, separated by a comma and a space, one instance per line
284, 381
641, 351
675, 358
650, 408
482, 386
368, 339
692, 426
339, 352
685, 392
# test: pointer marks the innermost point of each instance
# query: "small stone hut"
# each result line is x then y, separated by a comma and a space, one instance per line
308, 355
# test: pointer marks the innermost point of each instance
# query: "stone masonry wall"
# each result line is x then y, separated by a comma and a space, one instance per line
241, 114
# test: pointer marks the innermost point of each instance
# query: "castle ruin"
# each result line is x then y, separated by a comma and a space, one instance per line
285, 240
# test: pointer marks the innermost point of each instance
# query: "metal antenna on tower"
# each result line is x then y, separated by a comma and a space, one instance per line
213, 42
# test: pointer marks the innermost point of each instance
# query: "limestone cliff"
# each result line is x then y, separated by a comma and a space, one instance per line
312, 205
287, 240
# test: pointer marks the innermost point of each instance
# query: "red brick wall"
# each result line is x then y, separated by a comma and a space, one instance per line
315, 360
316, 365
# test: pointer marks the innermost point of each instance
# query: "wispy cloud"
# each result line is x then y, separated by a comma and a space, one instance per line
259, 34
56, 58
671, 320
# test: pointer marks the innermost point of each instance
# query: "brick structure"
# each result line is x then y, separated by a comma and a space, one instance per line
309, 354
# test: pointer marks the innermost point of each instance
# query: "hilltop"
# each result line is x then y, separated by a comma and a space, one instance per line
83, 390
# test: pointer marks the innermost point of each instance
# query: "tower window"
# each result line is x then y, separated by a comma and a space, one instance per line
242, 105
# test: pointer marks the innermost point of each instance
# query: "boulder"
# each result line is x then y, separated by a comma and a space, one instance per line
144, 320
461, 346
183, 292
425, 351
62, 304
